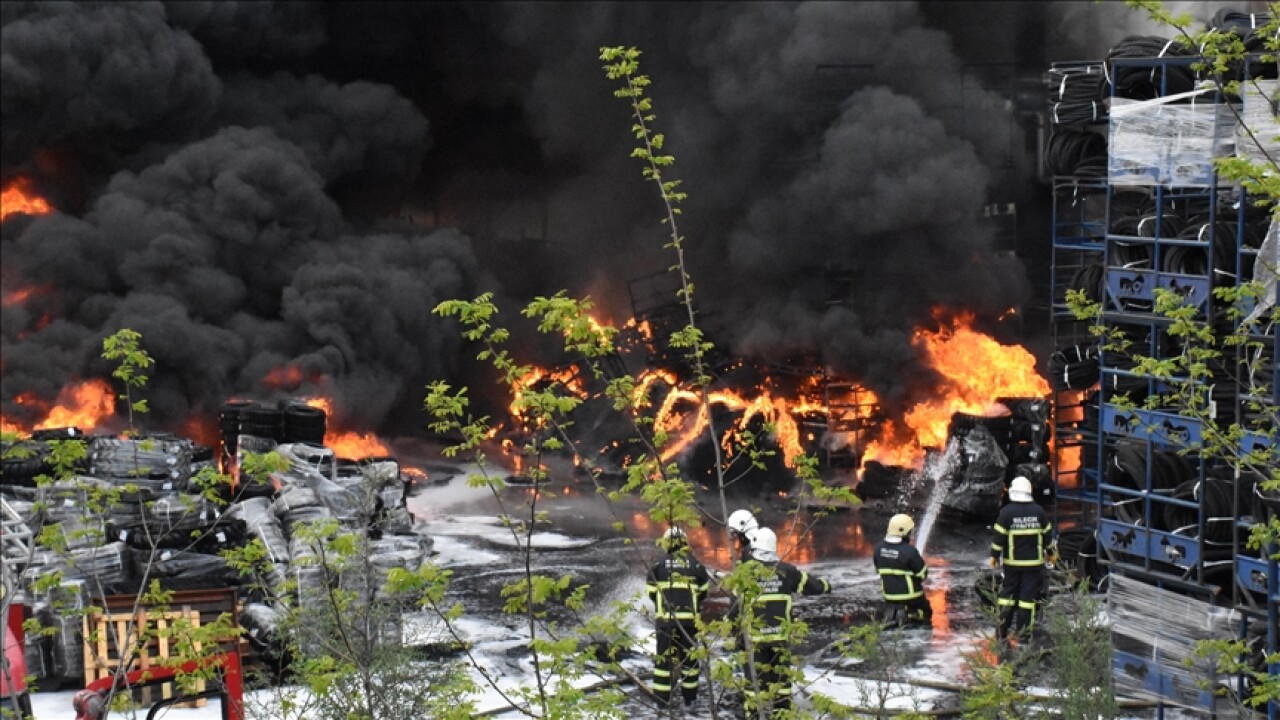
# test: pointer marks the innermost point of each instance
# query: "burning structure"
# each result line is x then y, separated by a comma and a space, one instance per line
280, 221
276, 194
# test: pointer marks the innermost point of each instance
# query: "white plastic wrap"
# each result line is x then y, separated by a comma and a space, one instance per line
1265, 271
1162, 142
1259, 118
1161, 629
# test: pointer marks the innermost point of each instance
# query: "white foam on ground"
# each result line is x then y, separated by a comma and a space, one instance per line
496, 645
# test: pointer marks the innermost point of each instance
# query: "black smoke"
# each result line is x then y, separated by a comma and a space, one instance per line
266, 185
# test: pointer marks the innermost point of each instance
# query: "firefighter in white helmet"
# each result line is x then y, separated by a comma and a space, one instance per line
902, 574
1022, 543
677, 584
762, 606
741, 523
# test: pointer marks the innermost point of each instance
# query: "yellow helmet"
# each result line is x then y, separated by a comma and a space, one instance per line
901, 525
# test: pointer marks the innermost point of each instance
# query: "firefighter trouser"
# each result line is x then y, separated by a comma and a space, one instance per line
1019, 594
673, 665
770, 662
897, 612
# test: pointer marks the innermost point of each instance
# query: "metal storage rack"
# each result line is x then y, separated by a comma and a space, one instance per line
1160, 510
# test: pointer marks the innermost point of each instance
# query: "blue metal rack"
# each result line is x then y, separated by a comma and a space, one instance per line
1119, 238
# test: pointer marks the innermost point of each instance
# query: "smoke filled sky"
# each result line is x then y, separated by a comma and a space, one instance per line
265, 185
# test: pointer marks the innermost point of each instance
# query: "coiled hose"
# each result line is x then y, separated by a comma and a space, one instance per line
1078, 95
1144, 83
1075, 152
1074, 368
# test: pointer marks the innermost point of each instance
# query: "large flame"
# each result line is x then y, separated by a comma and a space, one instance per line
347, 443
85, 405
976, 370
684, 418
19, 198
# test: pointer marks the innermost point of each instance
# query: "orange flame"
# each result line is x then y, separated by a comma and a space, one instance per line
510, 450
9, 298
685, 427
937, 597
19, 198
288, 377
347, 444
85, 405
975, 370
568, 378
1069, 460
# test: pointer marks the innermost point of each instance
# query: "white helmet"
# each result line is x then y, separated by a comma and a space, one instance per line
742, 522
764, 544
1020, 489
672, 539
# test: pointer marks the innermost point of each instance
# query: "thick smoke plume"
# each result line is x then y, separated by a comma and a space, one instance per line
287, 189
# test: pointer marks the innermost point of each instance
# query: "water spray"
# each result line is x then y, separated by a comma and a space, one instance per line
941, 470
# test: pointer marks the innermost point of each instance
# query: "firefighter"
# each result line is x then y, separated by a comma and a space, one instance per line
677, 583
765, 612
1022, 543
741, 523
902, 574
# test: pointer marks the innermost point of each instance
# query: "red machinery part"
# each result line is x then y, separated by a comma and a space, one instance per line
91, 703
13, 673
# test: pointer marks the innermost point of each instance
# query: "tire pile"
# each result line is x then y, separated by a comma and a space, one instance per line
997, 448
134, 505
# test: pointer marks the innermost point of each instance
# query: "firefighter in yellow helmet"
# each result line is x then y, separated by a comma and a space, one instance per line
902, 574
676, 584
1022, 543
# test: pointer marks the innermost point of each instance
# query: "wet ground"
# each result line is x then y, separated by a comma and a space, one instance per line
581, 540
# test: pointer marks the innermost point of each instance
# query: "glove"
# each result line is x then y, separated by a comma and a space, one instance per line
1051, 555
993, 563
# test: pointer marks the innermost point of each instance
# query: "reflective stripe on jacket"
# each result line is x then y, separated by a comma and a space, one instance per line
676, 585
771, 609
1022, 531
902, 571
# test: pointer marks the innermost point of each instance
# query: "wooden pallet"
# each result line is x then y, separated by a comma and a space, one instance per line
106, 636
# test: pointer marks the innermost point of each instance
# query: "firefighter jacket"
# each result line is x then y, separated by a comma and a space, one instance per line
676, 585
1022, 534
902, 571
771, 609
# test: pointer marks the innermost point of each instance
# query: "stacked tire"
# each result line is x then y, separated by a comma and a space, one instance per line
303, 424
1028, 437
229, 416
